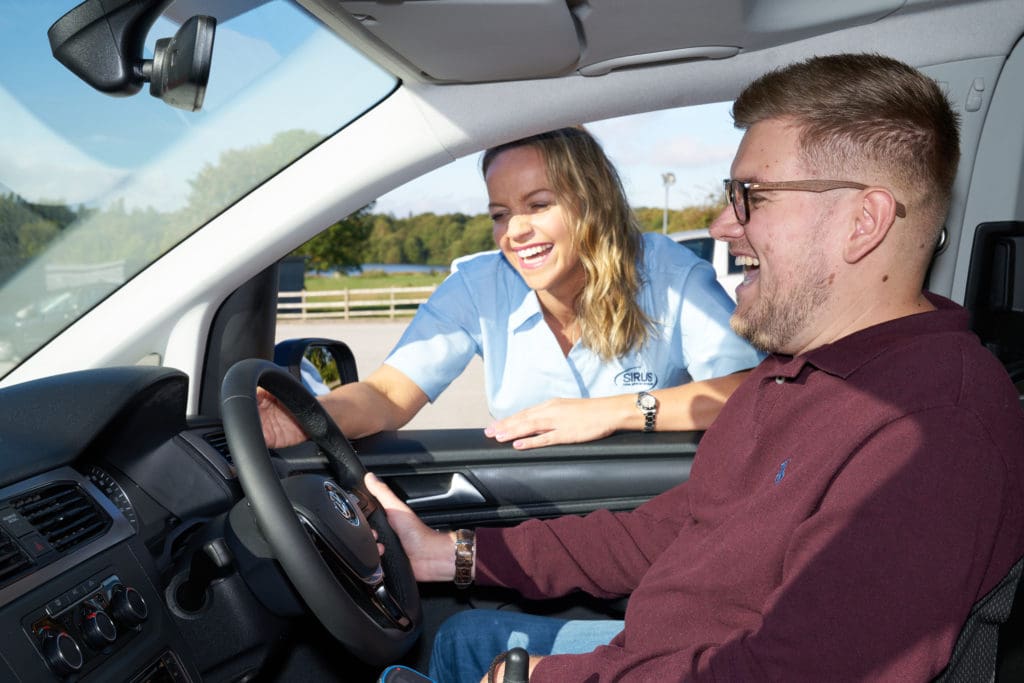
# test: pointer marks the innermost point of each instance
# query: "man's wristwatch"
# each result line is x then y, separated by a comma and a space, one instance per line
465, 554
648, 405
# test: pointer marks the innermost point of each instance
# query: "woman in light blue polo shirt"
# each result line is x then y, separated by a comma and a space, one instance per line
585, 325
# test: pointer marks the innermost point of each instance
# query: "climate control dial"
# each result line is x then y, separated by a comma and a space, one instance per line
61, 652
127, 606
98, 629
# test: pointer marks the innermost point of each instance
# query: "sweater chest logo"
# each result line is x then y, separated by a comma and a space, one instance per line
636, 377
782, 471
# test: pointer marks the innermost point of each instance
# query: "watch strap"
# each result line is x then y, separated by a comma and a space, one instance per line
649, 417
650, 412
465, 553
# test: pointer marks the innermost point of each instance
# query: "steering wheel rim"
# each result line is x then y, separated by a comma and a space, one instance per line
378, 621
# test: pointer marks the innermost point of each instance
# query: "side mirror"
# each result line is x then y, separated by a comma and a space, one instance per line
320, 364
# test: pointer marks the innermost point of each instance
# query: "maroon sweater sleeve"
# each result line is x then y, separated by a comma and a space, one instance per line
856, 595
604, 554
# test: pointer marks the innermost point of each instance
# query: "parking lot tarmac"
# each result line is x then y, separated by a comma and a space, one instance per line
462, 404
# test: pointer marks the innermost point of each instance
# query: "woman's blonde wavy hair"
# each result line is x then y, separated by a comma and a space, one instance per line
604, 232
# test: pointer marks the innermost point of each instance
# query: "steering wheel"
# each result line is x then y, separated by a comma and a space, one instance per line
319, 526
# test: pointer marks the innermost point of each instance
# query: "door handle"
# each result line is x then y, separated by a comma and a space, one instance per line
460, 492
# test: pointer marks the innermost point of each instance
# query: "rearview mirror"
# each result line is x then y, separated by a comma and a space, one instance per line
101, 42
180, 68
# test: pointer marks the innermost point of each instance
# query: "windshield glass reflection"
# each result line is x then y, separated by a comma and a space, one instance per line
94, 188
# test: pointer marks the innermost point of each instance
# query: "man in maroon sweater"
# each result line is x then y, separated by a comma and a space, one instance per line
863, 488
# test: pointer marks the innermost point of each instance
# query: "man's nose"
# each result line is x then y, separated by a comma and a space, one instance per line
725, 226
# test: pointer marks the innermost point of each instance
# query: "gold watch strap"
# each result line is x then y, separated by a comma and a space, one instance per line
465, 539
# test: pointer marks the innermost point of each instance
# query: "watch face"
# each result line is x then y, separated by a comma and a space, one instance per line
647, 401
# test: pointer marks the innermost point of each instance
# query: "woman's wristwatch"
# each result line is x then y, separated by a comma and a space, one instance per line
648, 405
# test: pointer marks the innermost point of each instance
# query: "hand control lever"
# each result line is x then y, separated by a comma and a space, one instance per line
517, 666
211, 562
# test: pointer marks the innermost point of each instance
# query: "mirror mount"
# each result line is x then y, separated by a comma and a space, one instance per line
101, 42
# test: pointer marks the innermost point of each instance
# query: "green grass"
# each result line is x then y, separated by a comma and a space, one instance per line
374, 280
364, 302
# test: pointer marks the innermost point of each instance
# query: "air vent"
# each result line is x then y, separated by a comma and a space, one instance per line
13, 560
219, 441
64, 514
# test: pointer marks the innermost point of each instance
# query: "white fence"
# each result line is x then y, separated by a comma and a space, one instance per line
352, 303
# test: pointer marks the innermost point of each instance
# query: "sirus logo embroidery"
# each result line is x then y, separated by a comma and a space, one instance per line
636, 377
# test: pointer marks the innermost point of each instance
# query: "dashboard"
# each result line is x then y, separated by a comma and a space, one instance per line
128, 551
102, 483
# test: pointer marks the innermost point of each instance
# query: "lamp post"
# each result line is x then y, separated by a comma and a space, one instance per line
668, 179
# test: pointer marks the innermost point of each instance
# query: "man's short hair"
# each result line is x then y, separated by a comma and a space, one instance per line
866, 115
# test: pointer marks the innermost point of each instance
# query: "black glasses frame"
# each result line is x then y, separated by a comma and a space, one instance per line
738, 192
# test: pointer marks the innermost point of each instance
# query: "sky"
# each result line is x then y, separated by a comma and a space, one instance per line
65, 142
696, 144
156, 149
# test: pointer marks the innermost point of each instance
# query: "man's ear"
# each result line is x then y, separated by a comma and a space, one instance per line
876, 214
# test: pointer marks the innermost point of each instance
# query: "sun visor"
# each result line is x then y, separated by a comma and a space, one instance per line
675, 31
499, 39
464, 41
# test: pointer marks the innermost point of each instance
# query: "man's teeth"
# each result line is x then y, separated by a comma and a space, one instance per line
532, 252
748, 261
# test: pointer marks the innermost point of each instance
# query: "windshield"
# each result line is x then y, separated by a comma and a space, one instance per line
95, 188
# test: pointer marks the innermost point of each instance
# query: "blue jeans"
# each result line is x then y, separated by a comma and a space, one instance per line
467, 642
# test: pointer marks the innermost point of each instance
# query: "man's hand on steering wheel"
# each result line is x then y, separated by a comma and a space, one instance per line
431, 553
320, 526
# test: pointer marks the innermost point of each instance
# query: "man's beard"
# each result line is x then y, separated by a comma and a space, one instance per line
775, 318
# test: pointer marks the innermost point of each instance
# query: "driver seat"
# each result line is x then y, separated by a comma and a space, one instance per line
990, 646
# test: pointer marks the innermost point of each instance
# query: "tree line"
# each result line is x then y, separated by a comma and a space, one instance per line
120, 232
437, 239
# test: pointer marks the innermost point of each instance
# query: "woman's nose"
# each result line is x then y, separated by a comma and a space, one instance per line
519, 226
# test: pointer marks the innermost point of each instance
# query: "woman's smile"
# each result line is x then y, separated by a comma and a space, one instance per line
533, 255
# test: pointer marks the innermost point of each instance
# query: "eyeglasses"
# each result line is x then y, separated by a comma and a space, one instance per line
738, 192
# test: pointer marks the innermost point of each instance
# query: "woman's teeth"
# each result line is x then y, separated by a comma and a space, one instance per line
532, 255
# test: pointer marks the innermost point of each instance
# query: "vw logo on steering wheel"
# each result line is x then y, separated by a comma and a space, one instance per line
340, 502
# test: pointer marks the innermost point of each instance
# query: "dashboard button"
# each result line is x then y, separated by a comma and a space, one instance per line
12, 520
35, 544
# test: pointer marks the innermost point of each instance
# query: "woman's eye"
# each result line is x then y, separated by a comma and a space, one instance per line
497, 217
539, 206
